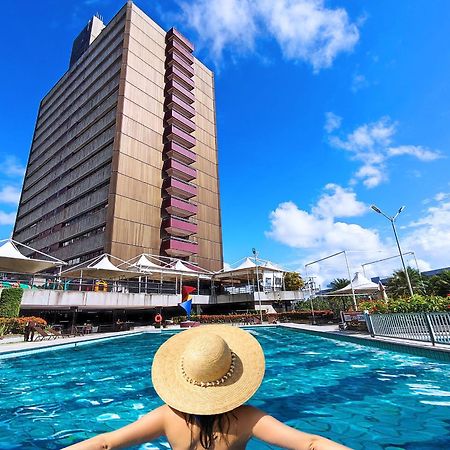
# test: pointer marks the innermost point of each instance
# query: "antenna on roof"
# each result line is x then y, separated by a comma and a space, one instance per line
99, 16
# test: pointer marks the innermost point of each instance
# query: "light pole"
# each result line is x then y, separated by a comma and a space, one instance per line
257, 284
392, 220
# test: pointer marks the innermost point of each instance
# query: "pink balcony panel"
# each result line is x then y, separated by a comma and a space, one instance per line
174, 34
174, 150
179, 227
174, 47
175, 60
173, 133
179, 188
179, 247
177, 169
174, 102
178, 90
177, 119
173, 73
179, 207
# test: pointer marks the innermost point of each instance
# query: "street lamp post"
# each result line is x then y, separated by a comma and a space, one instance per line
257, 284
392, 220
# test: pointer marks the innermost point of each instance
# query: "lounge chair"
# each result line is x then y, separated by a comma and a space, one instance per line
57, 333
42, 334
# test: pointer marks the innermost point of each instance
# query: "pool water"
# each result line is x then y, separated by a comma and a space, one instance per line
360, 396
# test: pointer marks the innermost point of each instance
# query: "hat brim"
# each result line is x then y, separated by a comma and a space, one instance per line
186, 397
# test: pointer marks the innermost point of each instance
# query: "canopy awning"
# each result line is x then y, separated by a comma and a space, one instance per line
100, 268
13, 261
246, 270
361, 285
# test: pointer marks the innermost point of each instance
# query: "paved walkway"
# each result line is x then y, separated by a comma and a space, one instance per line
366, 338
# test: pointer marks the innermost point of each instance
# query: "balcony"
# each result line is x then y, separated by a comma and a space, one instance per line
174, 102
174, 150
179, 247
173, 73
180, 63
172, 133
176, 226
179, 207
180, 91
174, 35
179, 170
179, 188
176, 48
177, 119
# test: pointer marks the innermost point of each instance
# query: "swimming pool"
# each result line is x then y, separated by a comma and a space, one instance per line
361, 396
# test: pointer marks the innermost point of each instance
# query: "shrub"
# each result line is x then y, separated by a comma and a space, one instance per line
10, 302
417, 303
16, 325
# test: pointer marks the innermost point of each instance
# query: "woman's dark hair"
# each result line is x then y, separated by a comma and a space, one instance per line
208, 425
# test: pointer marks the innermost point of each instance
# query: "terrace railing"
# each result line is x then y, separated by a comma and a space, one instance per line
427, 327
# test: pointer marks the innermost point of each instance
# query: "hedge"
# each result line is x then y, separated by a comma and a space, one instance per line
255, 317
10, 302
16, 325
417, 303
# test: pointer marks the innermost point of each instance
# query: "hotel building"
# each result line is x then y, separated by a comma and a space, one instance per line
124, 153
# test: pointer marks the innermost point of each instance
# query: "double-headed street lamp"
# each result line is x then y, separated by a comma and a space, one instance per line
392, 220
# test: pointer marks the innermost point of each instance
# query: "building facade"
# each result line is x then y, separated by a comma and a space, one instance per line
124, 153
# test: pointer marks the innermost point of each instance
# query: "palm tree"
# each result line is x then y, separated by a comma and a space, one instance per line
335, 302
338, 283
440, 284
397, 285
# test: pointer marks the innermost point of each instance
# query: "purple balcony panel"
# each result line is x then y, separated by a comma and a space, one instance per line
173, 73
179, 188
174, 34
172, 133
177, 119
179, 170
176, 48
180, 63
177, 89
179, 207
174, 150
173, 102
176, 226
179, 247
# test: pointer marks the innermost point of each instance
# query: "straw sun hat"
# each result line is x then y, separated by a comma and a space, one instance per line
209, 369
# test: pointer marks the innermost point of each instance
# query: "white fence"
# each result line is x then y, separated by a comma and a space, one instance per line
428, 327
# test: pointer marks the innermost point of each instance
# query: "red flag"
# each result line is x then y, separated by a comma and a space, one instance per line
186, 291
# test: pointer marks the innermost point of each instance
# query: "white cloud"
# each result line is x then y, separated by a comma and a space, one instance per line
429, 235
340, 203
358, 82
305, 30
317, 235
332, 122
424, 154
371, 145
11, 166
7, 218
9, 194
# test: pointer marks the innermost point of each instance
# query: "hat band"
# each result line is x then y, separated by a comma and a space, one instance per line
210, 383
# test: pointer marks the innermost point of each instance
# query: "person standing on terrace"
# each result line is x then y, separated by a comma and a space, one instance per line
205, 375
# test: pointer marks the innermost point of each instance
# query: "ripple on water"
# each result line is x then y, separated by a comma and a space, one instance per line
107, 416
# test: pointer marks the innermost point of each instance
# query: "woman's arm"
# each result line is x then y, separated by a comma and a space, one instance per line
272, 431
147, 428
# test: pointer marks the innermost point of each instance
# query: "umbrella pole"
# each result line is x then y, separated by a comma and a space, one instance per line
81, 278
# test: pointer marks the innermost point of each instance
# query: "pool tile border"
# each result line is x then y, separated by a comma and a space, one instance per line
438, 354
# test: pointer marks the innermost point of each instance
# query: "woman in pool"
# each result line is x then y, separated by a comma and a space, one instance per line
205, 375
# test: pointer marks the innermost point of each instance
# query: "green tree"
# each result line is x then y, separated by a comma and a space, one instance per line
341, 302
10, 302
440, 284
397, 285
293, 281
338, 283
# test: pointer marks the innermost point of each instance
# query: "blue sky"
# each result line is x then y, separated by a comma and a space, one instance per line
323, 108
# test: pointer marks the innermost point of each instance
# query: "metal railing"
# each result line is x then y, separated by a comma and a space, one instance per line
431, 327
